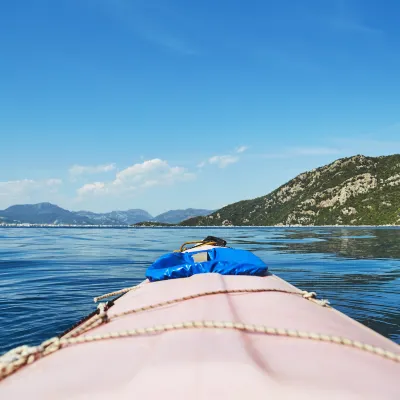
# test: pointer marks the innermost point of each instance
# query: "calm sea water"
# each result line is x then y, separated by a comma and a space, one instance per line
48, 277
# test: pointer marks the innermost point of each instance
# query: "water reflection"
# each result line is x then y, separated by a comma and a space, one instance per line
357, 269
345, 242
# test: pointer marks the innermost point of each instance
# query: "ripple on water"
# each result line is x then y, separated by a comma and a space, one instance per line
48, 277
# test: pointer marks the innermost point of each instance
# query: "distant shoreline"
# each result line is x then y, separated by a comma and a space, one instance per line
190, 227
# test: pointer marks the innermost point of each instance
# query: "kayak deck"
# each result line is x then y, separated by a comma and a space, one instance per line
203, 363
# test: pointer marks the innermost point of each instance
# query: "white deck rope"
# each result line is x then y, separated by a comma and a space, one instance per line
307, 295
312, 296
24, 355
96, 320
117, 292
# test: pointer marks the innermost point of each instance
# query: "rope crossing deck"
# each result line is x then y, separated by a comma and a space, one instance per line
13, 360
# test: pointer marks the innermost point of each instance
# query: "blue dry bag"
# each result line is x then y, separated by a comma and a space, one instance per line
221, 260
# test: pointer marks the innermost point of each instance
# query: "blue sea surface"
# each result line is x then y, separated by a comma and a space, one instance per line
49, 276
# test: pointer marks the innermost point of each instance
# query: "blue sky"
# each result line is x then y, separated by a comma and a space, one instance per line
164, 104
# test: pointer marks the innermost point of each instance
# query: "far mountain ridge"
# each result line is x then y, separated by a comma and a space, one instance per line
42, 213
127, 217
176, 216
357, 190
48, 213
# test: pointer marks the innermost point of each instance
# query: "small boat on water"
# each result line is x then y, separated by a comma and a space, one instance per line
209, 322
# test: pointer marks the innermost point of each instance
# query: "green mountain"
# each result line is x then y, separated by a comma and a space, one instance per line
357, 190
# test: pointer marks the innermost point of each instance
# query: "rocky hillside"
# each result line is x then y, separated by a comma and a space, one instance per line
350, 191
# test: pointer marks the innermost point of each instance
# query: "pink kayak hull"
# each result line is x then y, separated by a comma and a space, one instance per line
204, 363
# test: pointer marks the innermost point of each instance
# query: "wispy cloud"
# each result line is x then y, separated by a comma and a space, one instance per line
241, 149
382, 141
150, 21
348, 18
353, 26
138, 177
25, 185
223, 161
313, 151
304, 152
368, 146
77, 170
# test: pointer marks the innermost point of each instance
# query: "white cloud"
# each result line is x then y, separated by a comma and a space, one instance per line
138, 177
241, 149
96, 188
77, 170
137, 172
223, 161
27, 190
